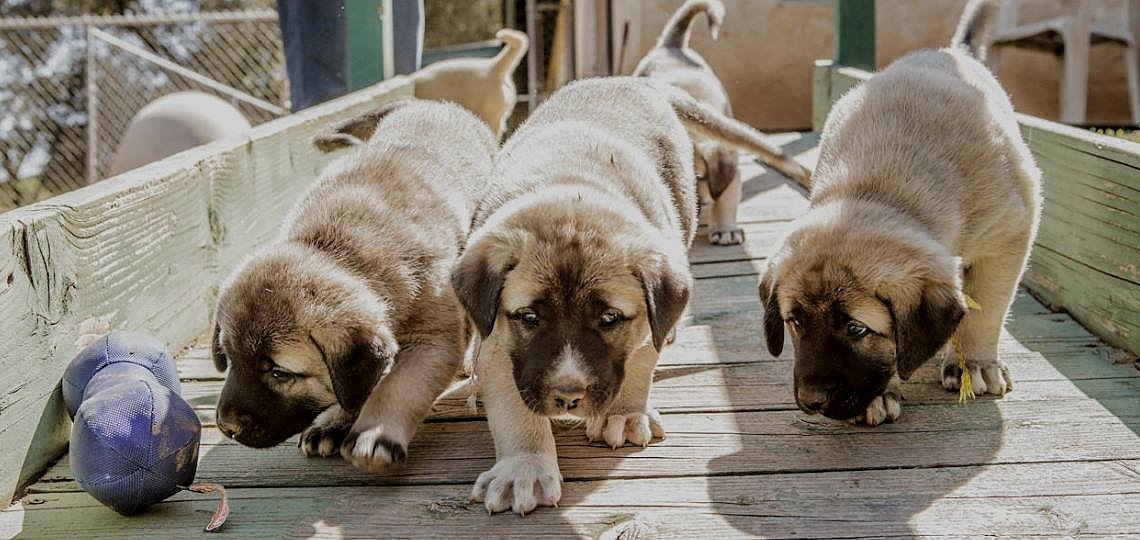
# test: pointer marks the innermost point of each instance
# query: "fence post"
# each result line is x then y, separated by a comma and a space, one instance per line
92, 110
364, 55
855, 34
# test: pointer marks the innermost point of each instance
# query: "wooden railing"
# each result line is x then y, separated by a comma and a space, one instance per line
146, 250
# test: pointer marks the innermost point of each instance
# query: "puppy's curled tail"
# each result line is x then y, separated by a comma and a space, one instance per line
705, 120
677, 31
355, 131
975, 29
515, 45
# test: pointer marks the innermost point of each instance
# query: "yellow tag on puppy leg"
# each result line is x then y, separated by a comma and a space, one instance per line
966, 386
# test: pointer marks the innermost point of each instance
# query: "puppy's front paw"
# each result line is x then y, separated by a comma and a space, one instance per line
637, 428
885, 408
520, 483
323, 438
374, 448
726, 237
986, 377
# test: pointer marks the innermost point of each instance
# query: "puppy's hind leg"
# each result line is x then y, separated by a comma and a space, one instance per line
991, 282
400, 402
630, 418
726, 191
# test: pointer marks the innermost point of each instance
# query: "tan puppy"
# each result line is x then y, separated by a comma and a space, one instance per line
924, 193
482, 85
672, 61
347, 327
173, 123
577, 272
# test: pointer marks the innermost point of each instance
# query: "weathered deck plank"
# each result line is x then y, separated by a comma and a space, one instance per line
1058, 456
1017, 500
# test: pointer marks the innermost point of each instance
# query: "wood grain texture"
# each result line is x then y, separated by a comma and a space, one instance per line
144, 249
1089, 499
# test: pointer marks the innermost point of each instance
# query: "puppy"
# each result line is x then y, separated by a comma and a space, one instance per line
674, 62
482, 85
576, 272
347, 326
924, 194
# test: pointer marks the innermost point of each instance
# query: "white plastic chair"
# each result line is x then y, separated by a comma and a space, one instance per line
1089, 22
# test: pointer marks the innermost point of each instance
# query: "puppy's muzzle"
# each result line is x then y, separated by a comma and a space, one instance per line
565, 399
811, 399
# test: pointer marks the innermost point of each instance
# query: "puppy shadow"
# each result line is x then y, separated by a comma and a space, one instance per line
794, 474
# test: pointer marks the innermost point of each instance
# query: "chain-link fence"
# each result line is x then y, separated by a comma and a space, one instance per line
70, 85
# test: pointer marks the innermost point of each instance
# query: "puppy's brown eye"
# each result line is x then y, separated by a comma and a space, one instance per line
793, 321
610, 318
855, 329
281, 375
527, 316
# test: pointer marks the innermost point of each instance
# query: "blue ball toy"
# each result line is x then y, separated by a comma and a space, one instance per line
134, 440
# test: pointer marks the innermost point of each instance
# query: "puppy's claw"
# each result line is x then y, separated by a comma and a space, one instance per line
730, 237
373, 449
519, 483
883, 409
637, 428
990, 377
325, 436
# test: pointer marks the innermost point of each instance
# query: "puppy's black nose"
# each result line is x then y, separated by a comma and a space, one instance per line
228, 428
568, 398
810, 400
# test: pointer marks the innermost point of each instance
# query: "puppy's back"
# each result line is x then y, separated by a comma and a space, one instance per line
405, 198
602, 126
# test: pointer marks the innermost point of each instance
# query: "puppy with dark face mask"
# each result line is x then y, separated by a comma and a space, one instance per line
577, 272
924, 196
347, 327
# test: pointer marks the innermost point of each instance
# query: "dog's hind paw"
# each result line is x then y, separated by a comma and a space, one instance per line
520, 483
323, 438
374, 449
615, 429
883, 409
729, 237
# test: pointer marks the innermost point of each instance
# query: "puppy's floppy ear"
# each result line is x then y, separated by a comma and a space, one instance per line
220, 362
356, 370
923, 330
773, 321
478, 282
355, 131
667, 288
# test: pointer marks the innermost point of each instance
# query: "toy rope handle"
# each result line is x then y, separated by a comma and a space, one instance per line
223, 511
966, 388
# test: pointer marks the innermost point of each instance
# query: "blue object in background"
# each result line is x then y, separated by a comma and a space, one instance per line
134, 440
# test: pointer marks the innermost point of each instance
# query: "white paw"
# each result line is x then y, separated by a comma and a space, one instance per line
520, 483
374, 448
885, 408
985, 378
637, 428
323, 438
730, 237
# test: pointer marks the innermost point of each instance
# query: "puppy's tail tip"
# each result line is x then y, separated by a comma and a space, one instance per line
975, 29
677, 31
515, 45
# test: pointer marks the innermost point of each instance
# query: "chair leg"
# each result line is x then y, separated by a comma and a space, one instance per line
1132, 69
1075, 77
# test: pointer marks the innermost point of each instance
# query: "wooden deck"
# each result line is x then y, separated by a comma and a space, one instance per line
1058, 456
